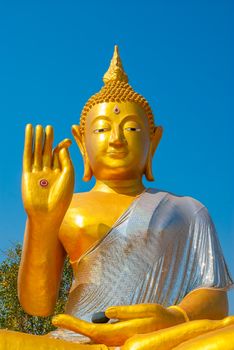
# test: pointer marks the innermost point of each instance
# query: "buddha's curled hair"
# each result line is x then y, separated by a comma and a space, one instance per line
116, 89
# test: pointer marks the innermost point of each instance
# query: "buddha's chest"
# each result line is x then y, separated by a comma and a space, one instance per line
85, 225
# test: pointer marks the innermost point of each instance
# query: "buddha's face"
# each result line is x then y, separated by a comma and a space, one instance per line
117, 140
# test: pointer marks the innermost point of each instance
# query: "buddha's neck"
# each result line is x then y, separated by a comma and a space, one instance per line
126, 187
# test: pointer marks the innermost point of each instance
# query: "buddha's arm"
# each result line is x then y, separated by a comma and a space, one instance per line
40, 268
47, 188
205, 304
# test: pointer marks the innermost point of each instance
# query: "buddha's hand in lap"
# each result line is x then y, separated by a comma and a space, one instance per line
48, 175
133, 319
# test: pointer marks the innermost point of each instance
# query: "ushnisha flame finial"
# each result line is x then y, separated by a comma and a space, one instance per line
115, 71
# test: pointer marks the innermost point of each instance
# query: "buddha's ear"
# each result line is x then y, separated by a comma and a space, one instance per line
76, 131
79, 137
157, 134
154, 141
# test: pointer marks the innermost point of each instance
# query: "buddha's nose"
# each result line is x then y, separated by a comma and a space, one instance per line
117, 138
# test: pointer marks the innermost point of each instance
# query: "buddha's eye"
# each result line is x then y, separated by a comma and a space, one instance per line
133, 129
97, 131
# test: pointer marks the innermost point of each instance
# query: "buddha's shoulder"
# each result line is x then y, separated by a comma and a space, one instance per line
184, 204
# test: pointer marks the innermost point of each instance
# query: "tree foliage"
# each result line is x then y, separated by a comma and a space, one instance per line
12, 316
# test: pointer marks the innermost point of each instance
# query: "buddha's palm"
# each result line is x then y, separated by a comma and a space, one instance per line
157, 330
133, 319
48, 176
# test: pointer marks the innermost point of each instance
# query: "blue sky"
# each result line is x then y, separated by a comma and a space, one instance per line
178, 54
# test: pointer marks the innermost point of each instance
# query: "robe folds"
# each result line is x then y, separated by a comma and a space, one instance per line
161, 248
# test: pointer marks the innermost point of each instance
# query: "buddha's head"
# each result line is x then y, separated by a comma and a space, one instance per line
117, 136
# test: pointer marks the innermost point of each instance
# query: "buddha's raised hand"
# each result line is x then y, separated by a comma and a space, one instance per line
48, 175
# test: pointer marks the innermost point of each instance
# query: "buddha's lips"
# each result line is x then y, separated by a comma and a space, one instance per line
117, 154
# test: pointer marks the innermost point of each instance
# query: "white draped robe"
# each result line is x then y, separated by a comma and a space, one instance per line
161, 248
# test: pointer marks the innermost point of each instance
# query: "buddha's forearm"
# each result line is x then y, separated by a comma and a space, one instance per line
40, 268
205, 304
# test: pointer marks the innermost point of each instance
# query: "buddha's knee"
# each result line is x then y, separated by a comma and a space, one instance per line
221, 339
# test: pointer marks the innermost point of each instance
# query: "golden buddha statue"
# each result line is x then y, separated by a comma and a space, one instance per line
147, 258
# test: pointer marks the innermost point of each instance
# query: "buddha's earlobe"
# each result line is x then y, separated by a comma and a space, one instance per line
87, 170
79, 137
148, 170
155, 139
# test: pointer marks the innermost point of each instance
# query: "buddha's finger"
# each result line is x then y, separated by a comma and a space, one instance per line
73, 324
65, 159
37, 161
27, 156
55, 161
47, 151
133, 311
63, 144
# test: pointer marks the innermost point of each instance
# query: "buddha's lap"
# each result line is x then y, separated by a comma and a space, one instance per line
188, 336
10, 340
221, 339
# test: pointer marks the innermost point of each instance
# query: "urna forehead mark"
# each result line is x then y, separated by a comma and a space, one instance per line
116, 109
